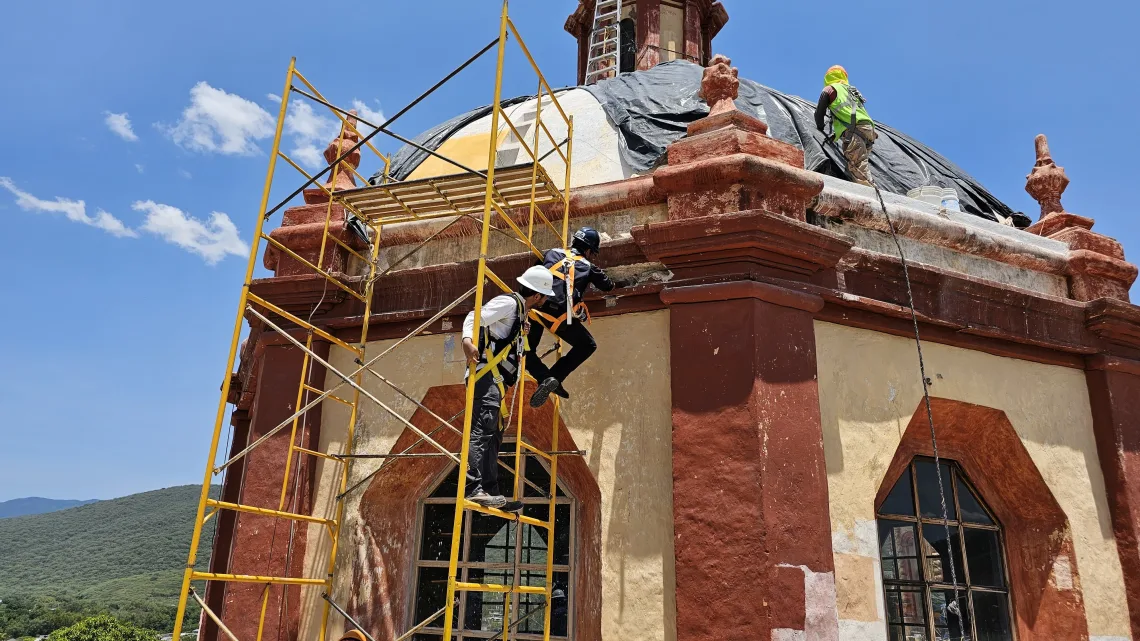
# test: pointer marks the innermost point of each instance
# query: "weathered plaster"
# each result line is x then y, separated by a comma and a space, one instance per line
596, 154
976, 266
869, 389
614, 225
622, 421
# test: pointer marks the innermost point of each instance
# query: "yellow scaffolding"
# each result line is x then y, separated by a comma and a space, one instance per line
472, 194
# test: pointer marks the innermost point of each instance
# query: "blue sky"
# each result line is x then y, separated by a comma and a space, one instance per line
135, 138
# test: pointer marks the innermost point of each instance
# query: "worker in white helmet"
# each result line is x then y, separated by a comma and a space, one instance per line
495, 362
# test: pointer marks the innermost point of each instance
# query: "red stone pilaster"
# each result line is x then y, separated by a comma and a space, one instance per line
261, 544
1114, 393
751, 523
750, 501
648, 34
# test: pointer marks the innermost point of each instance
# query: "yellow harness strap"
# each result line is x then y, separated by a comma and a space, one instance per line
492, 364
554, 322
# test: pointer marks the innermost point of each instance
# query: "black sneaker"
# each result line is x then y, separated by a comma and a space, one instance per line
543, 392
512, 506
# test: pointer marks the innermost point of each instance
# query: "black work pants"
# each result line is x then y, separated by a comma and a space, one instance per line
582, 346
483, 456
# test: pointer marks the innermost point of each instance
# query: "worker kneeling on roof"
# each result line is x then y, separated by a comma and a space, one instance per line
565, 314
495, 364
847, 106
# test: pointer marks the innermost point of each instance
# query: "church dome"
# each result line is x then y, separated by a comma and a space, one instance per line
623, 125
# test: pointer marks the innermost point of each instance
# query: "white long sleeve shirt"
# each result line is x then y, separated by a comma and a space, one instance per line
499, 315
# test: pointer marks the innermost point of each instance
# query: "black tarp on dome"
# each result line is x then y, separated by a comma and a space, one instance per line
652, 108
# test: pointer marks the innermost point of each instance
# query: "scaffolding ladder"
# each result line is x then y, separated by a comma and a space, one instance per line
498, 194
603, 56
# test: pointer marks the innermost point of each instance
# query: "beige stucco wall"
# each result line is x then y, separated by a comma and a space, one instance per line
869, 388
623, 420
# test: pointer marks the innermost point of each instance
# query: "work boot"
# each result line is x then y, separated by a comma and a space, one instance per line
561, 392
488, 500
543, 392
512, 506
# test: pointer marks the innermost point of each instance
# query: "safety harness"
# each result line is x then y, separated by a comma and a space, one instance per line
564, 271
853, 100
495, 357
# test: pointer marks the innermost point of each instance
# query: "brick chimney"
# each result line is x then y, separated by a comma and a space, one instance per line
664, 30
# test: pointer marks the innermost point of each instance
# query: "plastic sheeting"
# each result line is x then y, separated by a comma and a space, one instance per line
407, 158
652, 109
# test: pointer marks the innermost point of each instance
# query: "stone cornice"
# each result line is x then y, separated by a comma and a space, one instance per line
708, 245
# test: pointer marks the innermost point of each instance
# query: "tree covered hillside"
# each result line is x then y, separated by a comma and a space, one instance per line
123, 556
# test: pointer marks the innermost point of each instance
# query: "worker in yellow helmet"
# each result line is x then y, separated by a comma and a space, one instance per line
851, 126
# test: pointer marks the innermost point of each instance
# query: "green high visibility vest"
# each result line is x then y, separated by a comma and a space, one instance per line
843, 107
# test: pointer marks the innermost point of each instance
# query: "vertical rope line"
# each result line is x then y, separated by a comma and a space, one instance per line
954, 607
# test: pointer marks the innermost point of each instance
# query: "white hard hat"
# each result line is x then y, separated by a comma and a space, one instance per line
539, 279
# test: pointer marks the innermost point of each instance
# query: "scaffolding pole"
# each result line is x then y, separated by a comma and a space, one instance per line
521, 190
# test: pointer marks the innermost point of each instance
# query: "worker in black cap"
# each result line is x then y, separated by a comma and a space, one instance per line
565, 314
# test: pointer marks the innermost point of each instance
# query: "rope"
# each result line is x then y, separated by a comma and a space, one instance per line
953, 607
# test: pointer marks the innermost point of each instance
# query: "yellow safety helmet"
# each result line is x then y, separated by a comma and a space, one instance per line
835, 73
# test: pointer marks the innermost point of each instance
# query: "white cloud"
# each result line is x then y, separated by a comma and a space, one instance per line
185, 174
311, 133
309, 155
120, 124
273, 97
74, 210
375, 117
139, 168
212, 240
220, 122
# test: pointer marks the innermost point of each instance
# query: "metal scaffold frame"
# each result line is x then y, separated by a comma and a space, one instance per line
471, 194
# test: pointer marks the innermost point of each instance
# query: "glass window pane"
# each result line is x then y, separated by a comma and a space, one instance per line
928, 498
534, 545
951, 618
936, 552
905, 605
901, 498
562, 534
991, 613
904, 541
972, 510
431, 593
913, 633
484, 610
889, 571
896, 539
536, 473
908, 570
436, 543
492, 539
983, 553
559, 605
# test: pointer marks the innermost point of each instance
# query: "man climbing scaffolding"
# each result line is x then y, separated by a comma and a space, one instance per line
565, 314
847, 106
495, 364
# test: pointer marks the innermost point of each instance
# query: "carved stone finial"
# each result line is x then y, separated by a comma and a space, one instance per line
720, 85
345, 141
1046, 181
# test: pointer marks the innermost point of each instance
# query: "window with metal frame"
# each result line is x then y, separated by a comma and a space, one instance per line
916, 559
493, 550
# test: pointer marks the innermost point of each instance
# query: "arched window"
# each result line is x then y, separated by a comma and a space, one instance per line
493, 551
916, 559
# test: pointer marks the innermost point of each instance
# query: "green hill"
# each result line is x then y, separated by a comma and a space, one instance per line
122, 556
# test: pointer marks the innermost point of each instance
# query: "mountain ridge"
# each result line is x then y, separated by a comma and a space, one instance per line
32, 505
